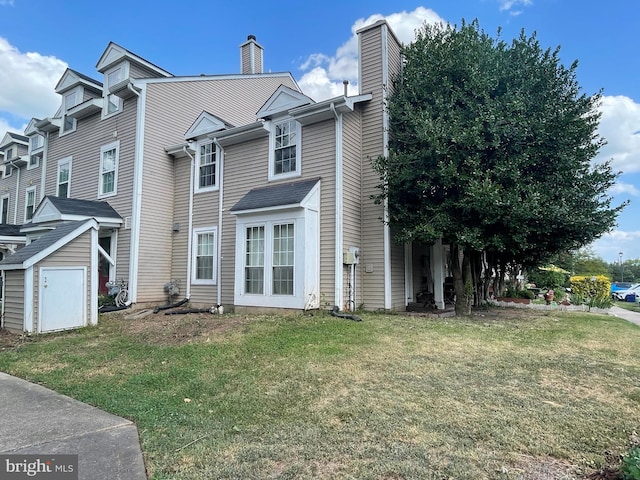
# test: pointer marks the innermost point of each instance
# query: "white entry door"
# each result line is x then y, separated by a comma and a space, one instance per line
63, 298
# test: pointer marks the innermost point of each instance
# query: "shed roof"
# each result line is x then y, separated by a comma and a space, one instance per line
276, 195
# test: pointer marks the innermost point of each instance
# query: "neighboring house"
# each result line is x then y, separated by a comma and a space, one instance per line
240, 188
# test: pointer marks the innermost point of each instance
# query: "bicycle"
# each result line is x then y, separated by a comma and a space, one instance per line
120, 290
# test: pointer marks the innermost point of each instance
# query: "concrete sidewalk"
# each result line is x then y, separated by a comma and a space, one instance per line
36, 420
628, 315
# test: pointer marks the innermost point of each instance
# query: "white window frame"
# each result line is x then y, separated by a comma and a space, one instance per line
106, 95
8, 153
26, 202
272, 150
61, 163
194, 256
216, 152
6, 197
35, 152
79, 93
105, 148
7, 171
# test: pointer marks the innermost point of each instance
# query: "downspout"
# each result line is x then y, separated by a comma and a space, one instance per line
136, 206
190, 227
15, 210
220, 210
339, 211
385, 152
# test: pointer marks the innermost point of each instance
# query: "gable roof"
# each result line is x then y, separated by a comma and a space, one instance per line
206, 123
31, 127
71, 78
46, 245
53, 209
284, 195
282, 100
11, 137
115, 53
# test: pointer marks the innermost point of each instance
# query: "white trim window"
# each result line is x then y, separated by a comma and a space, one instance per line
29, 203
7, 170
108, 182
284, 150
63, 189
283, 264
4, 209
112, 103
204, 256
8, 153
207, 161
36, 151
254, 260
70, 100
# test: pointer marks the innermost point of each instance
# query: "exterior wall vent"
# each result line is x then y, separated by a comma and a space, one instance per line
127, 222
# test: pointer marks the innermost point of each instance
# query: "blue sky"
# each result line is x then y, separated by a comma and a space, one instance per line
315, 42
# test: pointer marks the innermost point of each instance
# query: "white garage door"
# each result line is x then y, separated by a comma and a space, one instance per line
63, 295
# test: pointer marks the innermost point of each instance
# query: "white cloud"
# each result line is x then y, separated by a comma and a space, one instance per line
323, 74
507, 5
609, 245
4, 3
620, 126
27, 81
621, 188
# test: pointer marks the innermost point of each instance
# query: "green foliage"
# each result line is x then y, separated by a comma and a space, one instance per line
514, 292
549, 279
491, 146
631, 464
105, 299
592, 291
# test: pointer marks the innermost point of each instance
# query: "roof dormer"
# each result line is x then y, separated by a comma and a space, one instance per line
283, 100
205, 124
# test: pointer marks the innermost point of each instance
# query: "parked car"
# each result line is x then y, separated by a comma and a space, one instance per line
622, 294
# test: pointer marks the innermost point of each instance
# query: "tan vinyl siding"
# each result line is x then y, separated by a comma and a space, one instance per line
179, 252
8, 187
171, 109
14, 300
83, 146
249, 168
319, 160
352, 201
372, 146
139, 71
245, 66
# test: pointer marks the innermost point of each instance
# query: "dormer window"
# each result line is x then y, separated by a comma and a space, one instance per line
112, 103
7, 171
284, 154
36, 151
8, 153
70, 100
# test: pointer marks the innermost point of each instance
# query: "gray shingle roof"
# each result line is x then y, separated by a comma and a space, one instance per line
8, 230
89, 208
17, 136
42, 243
276, 195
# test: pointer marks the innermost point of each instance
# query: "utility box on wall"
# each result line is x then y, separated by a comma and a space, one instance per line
351, 257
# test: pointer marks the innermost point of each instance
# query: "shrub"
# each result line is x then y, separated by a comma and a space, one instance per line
513, 292
592, 291
631, 464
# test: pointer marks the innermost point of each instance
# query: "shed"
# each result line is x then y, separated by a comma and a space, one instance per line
49, 284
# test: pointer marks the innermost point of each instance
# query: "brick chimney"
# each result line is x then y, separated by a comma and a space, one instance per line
251, 56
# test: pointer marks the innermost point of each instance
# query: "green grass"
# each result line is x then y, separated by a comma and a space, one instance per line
504, 394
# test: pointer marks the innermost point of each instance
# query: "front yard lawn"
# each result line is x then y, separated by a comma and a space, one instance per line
513, 394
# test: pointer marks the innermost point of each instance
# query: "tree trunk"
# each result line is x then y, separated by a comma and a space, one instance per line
461, 272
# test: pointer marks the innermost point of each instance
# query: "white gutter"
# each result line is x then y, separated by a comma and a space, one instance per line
385, 153
136, 207
220, 210
339, 281
185, 149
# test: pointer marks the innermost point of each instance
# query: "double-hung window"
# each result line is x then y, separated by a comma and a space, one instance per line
207, 167
204, 255
70, 100
284, 154
4, 207
254, 260
36, 151
29, 203
113, 103
64, 178
283, 256
109, 169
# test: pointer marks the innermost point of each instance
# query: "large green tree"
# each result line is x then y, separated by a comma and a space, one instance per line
491, 148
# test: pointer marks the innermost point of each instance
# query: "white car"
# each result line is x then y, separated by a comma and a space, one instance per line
621, 294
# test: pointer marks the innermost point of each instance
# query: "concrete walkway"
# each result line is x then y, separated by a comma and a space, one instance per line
36, 420
632, 317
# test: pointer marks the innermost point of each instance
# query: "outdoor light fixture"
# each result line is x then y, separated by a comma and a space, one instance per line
621, 268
